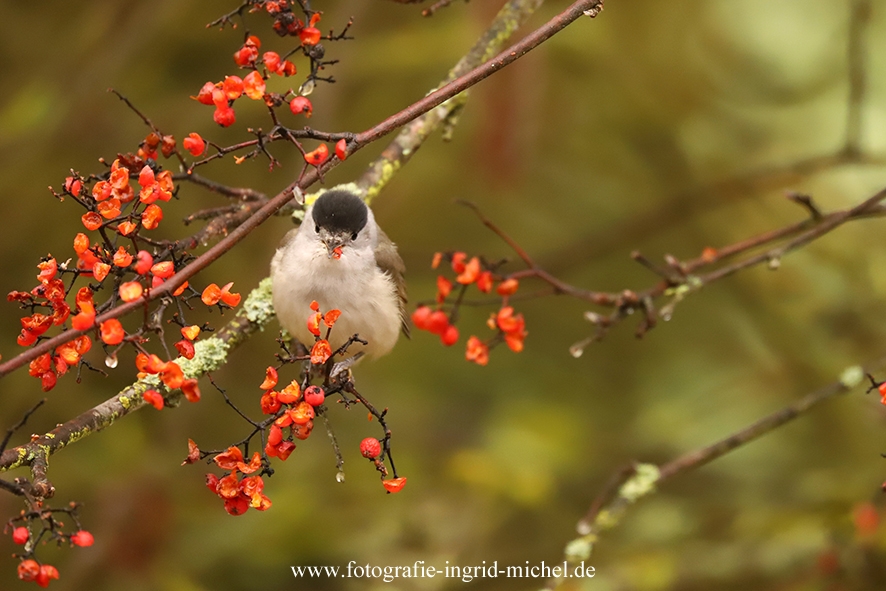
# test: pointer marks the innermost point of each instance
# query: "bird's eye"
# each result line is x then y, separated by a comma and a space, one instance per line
317, 228
354, 236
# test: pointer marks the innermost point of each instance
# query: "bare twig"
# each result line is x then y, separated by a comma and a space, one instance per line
635, 481
20, 424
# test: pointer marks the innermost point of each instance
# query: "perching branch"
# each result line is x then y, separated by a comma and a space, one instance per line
257, 310
430, 101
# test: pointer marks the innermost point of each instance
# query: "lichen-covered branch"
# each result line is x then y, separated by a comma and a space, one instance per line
638, 480
210, 354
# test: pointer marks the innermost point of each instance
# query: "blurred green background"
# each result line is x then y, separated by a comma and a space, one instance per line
646, 129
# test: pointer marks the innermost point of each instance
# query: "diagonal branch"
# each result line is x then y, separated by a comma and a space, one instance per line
637, 480
432, 100
257, 310
210, 354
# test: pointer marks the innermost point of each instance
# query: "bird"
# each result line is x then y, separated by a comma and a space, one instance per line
341, 258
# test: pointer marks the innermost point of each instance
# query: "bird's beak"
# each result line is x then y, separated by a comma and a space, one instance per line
334, 243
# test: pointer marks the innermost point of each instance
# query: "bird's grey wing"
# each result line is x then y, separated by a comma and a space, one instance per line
289, 237
389, 261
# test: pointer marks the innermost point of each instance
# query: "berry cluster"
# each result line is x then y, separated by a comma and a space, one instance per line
239, 491
510, 327
48, 527
262, 66
291, 411
121, 204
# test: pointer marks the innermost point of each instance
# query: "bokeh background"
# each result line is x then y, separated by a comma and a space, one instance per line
660, 126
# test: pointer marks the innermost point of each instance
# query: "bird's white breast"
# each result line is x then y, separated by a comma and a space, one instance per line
302, 271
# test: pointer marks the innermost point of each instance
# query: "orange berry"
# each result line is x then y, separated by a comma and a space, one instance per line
185, 348
507, 287
270, 378
470, 273
151, 216
154, 398
310, 36
320, 352
81, 243
122, 258
112, 332
314, 324
191, 390
131, 291
194, 144
190, 332
109, 209
254, 85
126, 228
211, 295
317, 156
231, 299
394, 485
91, 220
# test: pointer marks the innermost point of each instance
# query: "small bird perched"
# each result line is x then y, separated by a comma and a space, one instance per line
339, 257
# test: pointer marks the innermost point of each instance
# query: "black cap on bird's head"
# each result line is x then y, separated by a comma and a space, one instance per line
338, 217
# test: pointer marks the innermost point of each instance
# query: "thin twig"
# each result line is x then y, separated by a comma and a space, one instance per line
20, 424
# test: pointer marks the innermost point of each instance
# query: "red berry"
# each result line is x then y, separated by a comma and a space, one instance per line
309, 36
437, 322
394, 485
318, 156
420, 317
314, 395
370, 448
271, 60
48, 381
145, 262
194, 144
47, 571
28, 570
301, 104
275, 436
82, 538
238, 505
154, 398
341, 149
205, 95
449, 336
112, 332
224, 116
185, 348
507, 287
20, 535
